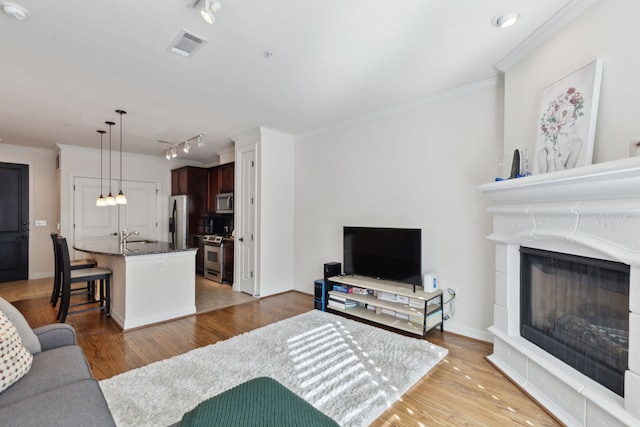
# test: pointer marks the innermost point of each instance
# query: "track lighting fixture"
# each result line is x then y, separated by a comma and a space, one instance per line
209, 10
14, 10
172, 151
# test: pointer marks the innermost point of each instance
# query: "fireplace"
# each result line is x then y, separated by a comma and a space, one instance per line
591, 214
577, 309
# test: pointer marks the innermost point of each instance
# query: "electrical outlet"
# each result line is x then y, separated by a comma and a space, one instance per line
41, 222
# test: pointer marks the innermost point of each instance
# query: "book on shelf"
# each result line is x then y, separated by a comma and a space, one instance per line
402, 299
402, 316
387, 296
416, 303
343, 289
389, 312
344, 305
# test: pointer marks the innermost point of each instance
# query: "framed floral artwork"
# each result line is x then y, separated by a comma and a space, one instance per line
567, 120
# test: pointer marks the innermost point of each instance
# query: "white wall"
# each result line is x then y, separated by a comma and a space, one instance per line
274, 208
419, 169
606, 30
43, 203
85, 162
276, 212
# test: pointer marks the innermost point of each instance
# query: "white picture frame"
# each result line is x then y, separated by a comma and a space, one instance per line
567, 120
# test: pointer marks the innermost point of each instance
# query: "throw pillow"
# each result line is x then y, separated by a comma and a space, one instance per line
29, 339
15, 359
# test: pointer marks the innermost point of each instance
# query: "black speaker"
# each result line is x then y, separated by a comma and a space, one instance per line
332, 269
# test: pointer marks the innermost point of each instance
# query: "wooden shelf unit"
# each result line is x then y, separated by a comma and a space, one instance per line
420, 327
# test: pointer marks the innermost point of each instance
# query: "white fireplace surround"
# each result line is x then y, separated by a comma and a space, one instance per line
591, 211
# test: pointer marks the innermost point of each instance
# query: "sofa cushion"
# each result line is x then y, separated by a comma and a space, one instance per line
78, 404
29, 339
50, 369
15, 359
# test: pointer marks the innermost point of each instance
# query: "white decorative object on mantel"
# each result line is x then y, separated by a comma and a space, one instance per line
590, 211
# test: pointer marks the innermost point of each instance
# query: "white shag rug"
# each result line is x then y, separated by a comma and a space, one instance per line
350, 371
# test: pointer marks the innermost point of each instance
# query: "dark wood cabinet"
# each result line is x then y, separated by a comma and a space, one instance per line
198, 242
220, 180
228, 261
180, 181
226, 177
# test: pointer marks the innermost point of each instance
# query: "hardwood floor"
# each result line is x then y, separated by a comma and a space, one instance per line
462, 390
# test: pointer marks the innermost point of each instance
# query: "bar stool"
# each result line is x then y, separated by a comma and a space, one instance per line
57, 268
103, 275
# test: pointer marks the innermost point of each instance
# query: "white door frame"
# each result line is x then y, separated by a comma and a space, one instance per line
247, 181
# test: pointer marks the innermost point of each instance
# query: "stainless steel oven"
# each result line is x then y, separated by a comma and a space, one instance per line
213, 257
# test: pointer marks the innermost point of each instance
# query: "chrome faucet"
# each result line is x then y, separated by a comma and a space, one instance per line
124, 235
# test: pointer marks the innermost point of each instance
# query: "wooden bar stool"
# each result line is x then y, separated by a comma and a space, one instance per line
57, 268
85, 275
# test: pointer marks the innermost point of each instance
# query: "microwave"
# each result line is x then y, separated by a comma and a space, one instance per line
224, 203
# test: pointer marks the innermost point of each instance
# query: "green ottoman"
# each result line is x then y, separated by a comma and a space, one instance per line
259, 402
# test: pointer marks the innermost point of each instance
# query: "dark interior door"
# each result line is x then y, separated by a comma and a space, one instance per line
14, 222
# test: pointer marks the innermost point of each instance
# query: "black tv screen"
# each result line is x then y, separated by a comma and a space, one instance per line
384, 253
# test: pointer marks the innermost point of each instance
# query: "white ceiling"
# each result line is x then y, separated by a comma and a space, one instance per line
66, 68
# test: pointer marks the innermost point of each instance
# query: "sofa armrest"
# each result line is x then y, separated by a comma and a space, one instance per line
55, 335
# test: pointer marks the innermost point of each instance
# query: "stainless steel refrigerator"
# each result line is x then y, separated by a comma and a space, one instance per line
178, 220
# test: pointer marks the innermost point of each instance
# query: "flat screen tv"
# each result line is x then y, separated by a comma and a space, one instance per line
384, 253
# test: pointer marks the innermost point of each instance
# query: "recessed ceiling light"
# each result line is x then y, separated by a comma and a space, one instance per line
505, 20
267, 54
14, 10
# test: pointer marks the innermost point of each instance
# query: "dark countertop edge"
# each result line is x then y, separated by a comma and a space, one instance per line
149, 251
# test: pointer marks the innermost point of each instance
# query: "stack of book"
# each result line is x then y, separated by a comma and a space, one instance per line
341, 302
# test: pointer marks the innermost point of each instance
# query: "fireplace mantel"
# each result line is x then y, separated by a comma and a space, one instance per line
591, 211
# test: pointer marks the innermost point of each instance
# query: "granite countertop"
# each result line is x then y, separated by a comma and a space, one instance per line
133, 247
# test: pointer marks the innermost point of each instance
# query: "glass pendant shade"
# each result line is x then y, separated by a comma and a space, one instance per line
111, 201
121, 199
101, 201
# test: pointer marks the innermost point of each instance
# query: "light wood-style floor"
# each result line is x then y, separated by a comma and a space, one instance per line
462, 390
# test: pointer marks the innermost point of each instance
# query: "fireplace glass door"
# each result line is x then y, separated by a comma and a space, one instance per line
577, 309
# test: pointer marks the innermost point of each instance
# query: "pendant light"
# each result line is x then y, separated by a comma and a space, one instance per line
101, 200
121, 199
111, 201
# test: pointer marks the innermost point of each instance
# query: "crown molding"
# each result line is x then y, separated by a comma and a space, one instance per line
558, 21
438, 98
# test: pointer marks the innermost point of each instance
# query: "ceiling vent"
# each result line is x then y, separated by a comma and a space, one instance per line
186, 44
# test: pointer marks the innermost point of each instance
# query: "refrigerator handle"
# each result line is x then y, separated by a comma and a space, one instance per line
172, 222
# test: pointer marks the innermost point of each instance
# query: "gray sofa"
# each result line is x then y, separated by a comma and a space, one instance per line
59, 389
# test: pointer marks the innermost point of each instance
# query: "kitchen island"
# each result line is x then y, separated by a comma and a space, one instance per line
152, 281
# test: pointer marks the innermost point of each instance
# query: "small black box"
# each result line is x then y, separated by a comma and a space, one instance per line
332, 269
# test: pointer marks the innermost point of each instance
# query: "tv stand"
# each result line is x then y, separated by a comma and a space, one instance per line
393, 304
